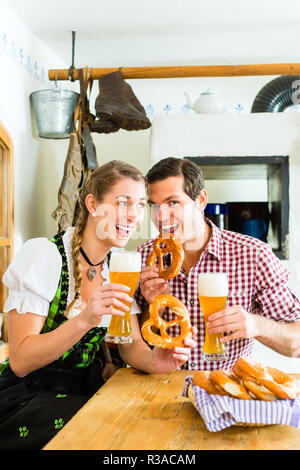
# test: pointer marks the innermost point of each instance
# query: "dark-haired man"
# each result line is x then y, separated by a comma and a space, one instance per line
260, 303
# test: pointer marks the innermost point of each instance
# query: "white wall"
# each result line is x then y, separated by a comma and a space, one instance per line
165, 97
38, 163
261, 134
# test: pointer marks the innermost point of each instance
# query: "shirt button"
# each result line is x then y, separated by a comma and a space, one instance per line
193, 364
192, 301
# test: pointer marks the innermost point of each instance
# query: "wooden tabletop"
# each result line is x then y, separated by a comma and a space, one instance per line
137, 411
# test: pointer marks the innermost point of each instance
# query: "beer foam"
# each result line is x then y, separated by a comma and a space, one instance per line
212, 285
125, 262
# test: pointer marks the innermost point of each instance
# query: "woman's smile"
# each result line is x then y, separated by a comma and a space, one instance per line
125, 231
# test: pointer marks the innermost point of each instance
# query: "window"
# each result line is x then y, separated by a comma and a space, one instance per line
6, 213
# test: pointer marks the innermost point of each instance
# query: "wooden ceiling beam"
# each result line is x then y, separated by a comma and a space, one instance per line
182, 71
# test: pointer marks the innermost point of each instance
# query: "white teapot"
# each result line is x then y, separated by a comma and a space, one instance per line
207, 103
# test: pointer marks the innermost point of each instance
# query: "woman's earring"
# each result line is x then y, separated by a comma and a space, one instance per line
94, 214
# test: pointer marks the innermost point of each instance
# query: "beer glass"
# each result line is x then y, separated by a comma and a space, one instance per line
212, 291
125, 268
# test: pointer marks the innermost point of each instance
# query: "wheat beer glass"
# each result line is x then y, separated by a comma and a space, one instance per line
125, 268
212, 291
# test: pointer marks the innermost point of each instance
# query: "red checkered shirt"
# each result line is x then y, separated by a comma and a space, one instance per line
257, 281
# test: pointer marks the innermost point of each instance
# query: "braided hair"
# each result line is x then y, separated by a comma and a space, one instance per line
99, 183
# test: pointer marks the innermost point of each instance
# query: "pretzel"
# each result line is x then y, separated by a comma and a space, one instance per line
165, 340
279, 383
249, 380
173, 246
202, 379
227, 383
258, 390
282, 384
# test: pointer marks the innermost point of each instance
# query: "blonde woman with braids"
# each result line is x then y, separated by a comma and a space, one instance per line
57, 308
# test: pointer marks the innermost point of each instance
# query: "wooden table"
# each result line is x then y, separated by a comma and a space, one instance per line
137, 411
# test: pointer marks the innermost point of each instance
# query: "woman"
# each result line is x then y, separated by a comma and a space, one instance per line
53, 291
59, 294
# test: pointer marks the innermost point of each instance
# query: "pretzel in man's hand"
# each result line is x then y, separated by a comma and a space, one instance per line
182, 318
171, 245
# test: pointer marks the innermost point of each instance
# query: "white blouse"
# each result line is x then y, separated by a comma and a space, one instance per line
33, 277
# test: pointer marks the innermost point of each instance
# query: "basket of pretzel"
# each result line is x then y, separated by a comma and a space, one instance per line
249, 395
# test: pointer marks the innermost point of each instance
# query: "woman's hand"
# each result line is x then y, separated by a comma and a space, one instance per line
103, 301
168, 360
151, 284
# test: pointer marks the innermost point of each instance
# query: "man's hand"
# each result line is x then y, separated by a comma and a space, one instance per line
235, 321
167, 360
151, 284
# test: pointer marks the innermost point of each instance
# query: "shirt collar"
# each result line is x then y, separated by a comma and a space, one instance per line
215, 245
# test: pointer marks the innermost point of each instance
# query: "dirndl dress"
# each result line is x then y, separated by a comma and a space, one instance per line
35, 407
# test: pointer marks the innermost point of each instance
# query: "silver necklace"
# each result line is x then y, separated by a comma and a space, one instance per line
91, 272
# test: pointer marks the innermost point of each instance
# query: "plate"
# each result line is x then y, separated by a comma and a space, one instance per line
278, 95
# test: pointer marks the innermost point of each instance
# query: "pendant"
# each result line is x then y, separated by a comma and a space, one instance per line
92, 273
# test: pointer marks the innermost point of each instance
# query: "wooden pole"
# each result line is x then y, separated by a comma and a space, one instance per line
185, 71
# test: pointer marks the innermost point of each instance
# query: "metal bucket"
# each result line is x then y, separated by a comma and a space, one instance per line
54, 111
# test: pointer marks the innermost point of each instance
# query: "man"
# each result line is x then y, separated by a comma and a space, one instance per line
260, 303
